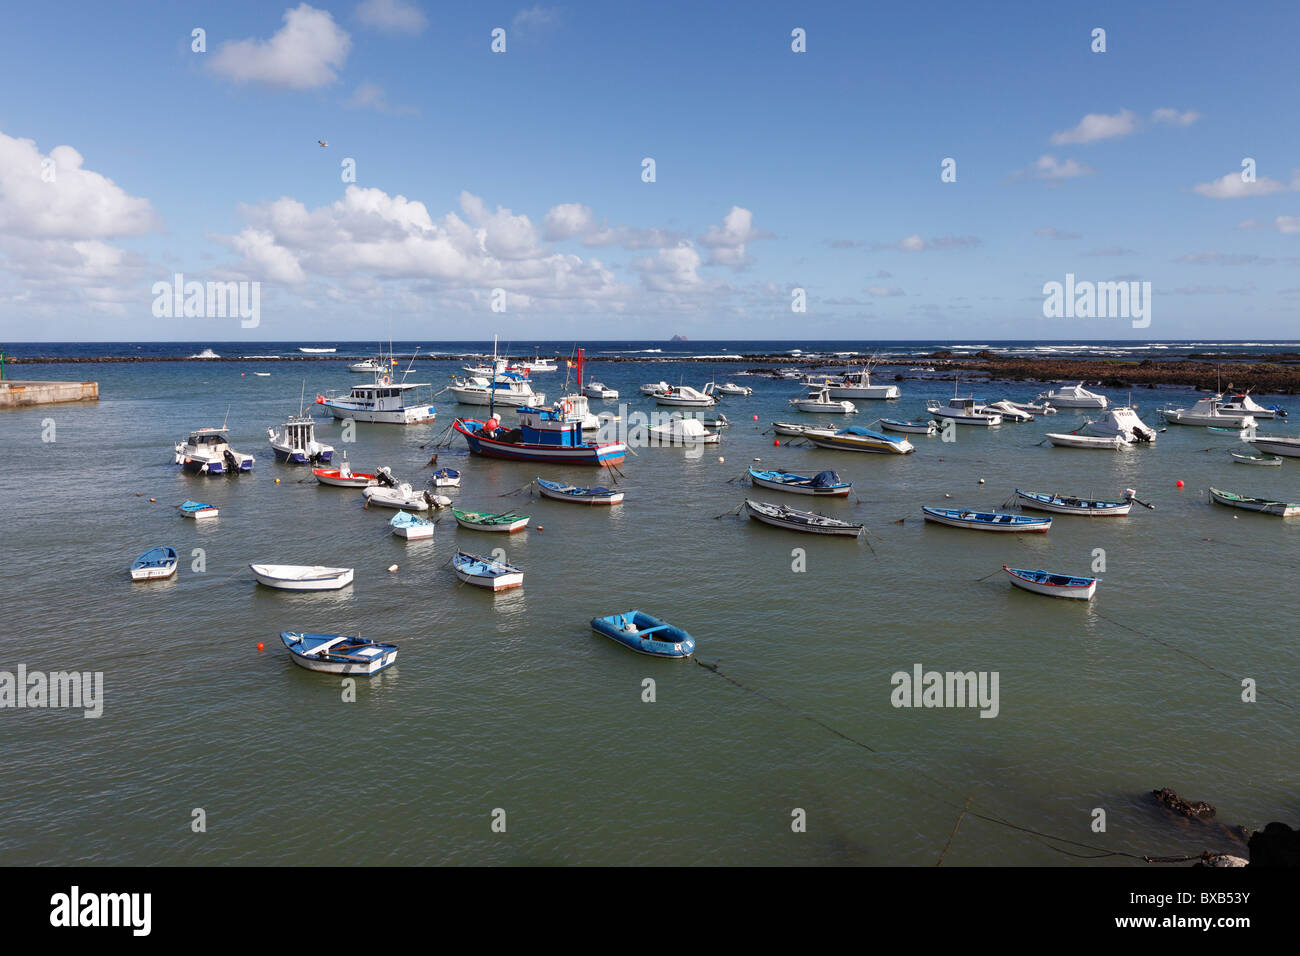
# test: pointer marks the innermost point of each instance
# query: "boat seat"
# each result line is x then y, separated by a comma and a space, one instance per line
651, 630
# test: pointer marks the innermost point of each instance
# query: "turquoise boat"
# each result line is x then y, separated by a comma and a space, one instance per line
638, 631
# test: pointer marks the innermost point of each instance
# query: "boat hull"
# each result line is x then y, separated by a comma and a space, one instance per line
680, 647
986, 521
603, 455
859, 443
341, 578
1286, 447
613, 498
409, 415
1085, 441
372, 657
155, 565
909, 428
762, 481
777, 521
1053, 585
1073, 506
1278, 509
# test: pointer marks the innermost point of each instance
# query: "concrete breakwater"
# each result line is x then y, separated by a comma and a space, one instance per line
20, 394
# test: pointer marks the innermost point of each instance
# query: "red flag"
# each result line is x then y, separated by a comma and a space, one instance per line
580, 360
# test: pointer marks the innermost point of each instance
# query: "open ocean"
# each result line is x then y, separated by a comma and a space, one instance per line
511, 702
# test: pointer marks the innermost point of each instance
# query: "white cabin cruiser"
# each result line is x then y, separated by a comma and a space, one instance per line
600, 390
820, 401
729, 388
207, 452
366, 365
853, 384
384, 401
655, 388
296, 442
1277, 445
1009, 412
504, 388
1207, 413
963, 411
685, 396
1242, 404
1073, 396
1120, 422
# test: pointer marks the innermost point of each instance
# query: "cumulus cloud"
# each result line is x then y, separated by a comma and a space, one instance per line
1172, 117
1051, 169
1232, 186
369, 233
374, 97
1287, 223
1098, 126
303, 54
392, 16
672, 270
726, 243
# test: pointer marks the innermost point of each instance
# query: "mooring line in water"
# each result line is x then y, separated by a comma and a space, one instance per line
1188, 654
939, 862
1096, 852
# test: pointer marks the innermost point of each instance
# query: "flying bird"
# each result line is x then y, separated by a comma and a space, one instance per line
322, 142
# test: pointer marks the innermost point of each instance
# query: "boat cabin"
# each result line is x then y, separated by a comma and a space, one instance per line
541, 426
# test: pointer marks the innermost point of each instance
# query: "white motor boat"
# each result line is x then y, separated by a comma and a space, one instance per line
402, 495
1277, 445
297, 577
790, 428
207, 452
963, 411
655, 388
853, 384
1042, 408
601, 391
506, 388
1120, 422
1112, 443
539, 365
1073, 396
685, 396
1207, 414
683, 431
1009, 412
1242, 404
366, 365
727, 388
820, 401
296, 442
383, 400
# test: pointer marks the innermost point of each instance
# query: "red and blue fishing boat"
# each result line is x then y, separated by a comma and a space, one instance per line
543, 434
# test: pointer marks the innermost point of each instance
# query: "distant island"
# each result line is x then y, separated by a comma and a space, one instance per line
678, 338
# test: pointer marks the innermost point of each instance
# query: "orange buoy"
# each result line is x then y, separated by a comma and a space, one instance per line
153, 499
1180, 482
261, 646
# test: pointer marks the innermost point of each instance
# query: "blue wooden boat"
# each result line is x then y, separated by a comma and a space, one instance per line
485, 572
154, 564
338, 653
583, 496
197, 510
644, 634
825, 484
411, 526
445, 478
985, 520
857, 438
1053, 585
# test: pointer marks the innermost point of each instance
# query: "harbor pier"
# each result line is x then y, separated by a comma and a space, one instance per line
20, 394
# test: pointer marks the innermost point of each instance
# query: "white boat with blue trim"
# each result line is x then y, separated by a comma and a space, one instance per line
155, 564
338, 653
486, 572
1053, 585
985, 520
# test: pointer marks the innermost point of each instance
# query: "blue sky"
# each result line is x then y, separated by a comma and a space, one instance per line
522, 171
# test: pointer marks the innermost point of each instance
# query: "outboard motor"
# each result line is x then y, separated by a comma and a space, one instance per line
385, 477
232, 463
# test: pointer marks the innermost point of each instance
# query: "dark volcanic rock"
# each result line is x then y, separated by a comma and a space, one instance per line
1173, 802
1276, 845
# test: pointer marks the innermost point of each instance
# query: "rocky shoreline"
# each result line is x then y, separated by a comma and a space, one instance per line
1272, 374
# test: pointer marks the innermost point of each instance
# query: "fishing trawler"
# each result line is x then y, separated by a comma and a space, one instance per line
384, 400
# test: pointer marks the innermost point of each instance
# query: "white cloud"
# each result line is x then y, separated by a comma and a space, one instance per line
1287, 223
882, 291
373, 96
568, 220
1173, 117
1232, 186
78, 204
672, 270
535, 19
302, 55
1049, 168
1098, 126
392, 16
726, 243
915, 243
369, 233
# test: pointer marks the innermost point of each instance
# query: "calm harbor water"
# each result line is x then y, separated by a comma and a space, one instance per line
511, 702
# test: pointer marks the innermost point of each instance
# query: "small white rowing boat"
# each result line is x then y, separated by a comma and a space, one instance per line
1256, 459
485, 572
780, 516
338, 653
1279, 509
1085, 441
1053, 585
155, 564
298, 577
